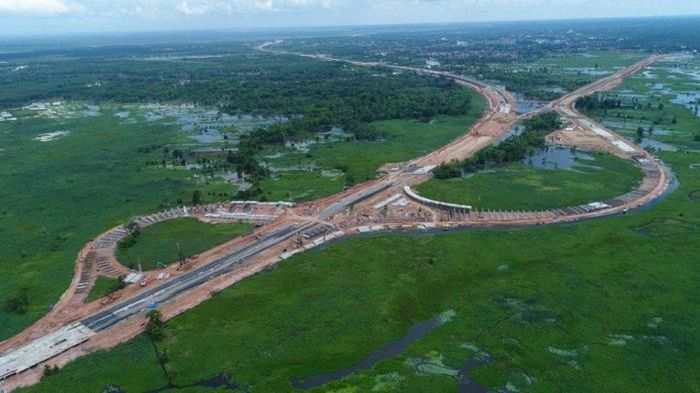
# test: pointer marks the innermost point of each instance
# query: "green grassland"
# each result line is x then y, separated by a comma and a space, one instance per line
103, 287
158, 243
525, 187
56, 196
298, 186
601, 305
360, 161
406, 140
603, 60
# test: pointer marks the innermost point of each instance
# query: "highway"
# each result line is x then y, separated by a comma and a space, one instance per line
139, 304
353, 199
63, 339
163, 292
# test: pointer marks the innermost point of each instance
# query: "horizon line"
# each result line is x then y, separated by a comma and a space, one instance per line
336, 26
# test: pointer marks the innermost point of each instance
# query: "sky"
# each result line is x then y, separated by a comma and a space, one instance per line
39, 17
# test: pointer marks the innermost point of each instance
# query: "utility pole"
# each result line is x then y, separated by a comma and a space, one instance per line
179, 253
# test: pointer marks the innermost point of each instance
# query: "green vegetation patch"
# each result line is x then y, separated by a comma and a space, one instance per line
103, 287
406, 139
337, 164
596, 60
136, 358
666, 226
57, 195
300, 186
158, 243
524, 187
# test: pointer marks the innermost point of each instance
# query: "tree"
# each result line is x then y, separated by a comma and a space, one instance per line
17, 303
640, 133
196, 197
132, 227
121, 282
49, 371
154, 326
447, 171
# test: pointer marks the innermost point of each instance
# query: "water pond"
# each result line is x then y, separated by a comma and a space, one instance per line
556, 157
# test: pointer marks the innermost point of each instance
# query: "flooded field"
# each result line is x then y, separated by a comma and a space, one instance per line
56, 110
658, 108
587, 71
688, 99
202, 124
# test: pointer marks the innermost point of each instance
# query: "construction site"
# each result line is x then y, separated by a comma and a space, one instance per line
73, 328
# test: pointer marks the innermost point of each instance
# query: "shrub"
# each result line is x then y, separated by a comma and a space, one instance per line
17, 303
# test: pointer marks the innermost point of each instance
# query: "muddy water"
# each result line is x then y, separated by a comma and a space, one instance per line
390, 350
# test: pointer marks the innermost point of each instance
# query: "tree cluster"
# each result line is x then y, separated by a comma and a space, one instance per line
513, 149
155, 326
17, 303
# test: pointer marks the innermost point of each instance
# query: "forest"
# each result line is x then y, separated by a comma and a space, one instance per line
313, 95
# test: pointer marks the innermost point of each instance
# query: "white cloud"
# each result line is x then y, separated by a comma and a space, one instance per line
215, 7
192, 9
38, 6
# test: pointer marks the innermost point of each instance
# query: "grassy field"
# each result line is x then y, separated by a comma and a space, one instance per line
407, 140
525, 187
301, 186
360, 160
603, 60
602, 305
103, 287
157, 243
55, 196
